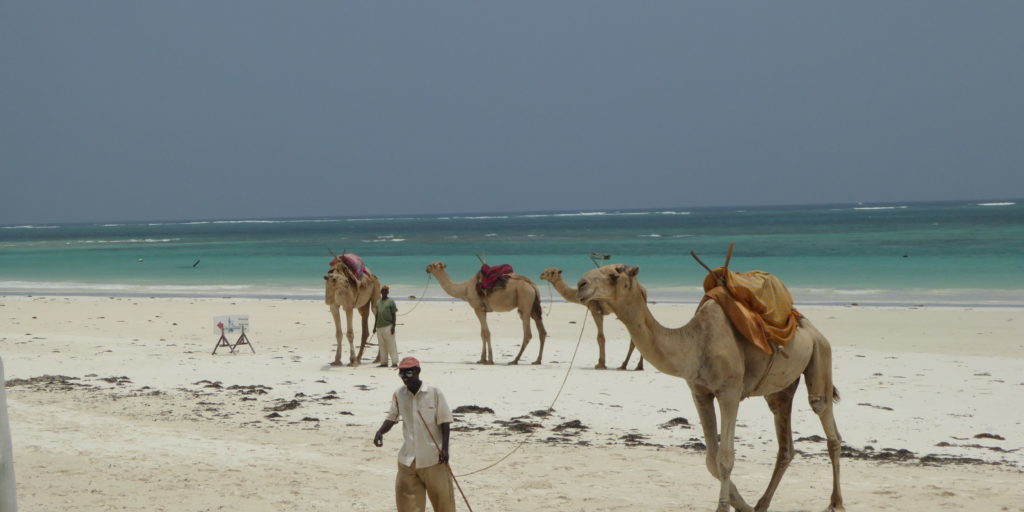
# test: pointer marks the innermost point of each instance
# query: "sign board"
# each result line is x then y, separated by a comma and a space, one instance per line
231, 323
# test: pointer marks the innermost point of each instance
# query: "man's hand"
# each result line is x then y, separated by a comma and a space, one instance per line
392, 328
378, 439
442, 457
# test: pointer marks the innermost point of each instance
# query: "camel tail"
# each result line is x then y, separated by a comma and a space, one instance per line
835, 395
537, 311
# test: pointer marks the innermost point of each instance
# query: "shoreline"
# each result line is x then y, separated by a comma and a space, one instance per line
954, 298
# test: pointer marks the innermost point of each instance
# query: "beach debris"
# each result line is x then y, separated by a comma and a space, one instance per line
273, 415
518, 425
542, 413
117, 380
310, 418
254, 389
986, 435
574, 425
873, 406
473, 409
814, 439
677, 422
287, 406
47, 382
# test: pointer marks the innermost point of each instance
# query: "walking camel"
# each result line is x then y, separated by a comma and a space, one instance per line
344, 291
718, 363
597, 311
519, 293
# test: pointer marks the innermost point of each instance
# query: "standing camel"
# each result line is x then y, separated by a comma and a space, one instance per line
554, 276
718, 363
344, 291
519, 293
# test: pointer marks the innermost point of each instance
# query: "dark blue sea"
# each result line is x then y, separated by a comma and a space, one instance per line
966, 252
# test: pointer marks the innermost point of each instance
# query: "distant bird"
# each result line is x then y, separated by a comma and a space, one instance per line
194, 264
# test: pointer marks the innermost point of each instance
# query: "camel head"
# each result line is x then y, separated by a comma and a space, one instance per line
436, 266
610, 284
551, 274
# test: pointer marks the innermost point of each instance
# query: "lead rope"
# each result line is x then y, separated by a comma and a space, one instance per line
551, 300
550, 407
419, 298
448, 467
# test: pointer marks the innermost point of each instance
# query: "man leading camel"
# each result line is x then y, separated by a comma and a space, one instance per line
384, 326
426, 420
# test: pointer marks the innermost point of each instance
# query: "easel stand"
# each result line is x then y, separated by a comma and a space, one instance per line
243, 340
223, 342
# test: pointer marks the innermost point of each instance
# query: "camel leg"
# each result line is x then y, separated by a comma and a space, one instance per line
350, 335
486, 357
542, 334
640, 365
364, 312
629, 354
527, 334
821, 393
599, 322
336, 315
728, 408
704, 401
781, 405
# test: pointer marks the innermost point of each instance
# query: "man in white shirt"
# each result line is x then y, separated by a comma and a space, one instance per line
426, 420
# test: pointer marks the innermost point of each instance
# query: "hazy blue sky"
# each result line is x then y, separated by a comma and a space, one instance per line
140, 110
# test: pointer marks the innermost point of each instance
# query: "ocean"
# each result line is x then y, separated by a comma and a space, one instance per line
955, 253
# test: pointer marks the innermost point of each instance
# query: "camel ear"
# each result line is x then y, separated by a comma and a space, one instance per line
632, 271
558, 271
620, 268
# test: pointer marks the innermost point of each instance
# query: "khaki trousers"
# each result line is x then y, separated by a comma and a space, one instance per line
413, 485
387, 345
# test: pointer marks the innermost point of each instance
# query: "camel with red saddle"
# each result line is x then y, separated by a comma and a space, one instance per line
718, 363
518, 293
350, 288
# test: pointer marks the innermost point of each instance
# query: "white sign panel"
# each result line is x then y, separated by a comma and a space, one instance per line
231, 323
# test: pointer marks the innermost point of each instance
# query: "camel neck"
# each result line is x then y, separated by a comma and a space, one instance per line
456, 290
669, 350
567, 293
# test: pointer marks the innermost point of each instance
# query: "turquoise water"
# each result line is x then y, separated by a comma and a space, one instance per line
935, 253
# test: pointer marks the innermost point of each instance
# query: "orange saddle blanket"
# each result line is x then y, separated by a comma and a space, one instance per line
757, 303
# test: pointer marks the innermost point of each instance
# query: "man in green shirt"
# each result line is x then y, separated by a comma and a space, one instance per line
384, 326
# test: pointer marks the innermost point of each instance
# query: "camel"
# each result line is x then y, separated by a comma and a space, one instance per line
344, 291
554, 276
718, 363
519, 293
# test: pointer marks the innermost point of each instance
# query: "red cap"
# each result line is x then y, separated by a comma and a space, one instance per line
409, 362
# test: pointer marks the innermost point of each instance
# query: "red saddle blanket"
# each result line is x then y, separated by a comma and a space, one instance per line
354, 263
491, 276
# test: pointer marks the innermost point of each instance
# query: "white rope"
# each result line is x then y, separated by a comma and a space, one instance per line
419, 298
550, 407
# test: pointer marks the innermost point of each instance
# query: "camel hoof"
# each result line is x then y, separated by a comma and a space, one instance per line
536, 362
623, 367
354, 364
335, 363
513, 363
600, 366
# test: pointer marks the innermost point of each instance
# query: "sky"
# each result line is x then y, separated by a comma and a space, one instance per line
187, 109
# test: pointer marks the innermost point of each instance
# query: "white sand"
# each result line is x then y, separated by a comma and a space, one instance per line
911, 378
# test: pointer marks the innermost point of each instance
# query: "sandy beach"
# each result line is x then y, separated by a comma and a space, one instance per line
136, 414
